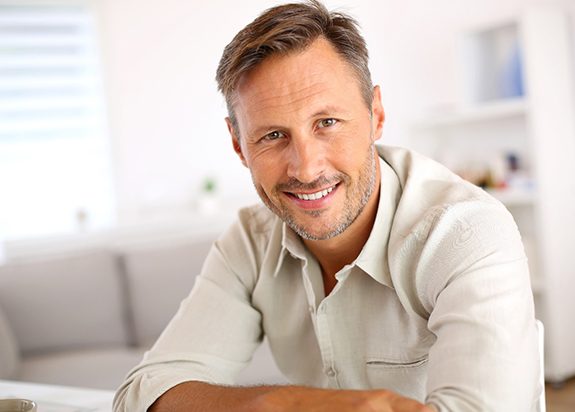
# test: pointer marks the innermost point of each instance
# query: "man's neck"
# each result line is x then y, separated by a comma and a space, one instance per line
333, 254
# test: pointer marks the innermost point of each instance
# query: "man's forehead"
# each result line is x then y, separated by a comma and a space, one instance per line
315, 59
289, 81
287, 91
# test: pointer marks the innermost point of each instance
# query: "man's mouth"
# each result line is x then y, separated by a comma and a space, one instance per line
314, 196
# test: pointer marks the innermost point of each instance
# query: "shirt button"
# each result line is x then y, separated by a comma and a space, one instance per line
331, 372
311, 309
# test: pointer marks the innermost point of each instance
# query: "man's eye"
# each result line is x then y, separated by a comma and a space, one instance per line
326, 123
273, 135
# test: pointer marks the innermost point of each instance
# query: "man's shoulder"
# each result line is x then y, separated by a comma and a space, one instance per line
245, 244
253, 228
428, 188
416, 170
437, 208
257, 218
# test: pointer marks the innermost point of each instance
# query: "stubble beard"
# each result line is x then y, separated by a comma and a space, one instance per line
357, 197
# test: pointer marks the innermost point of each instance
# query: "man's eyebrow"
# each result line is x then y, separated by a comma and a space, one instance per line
328, 111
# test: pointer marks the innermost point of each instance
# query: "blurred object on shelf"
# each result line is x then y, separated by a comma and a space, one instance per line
82, 219
208, 200
517, 176
503, 172
512, 73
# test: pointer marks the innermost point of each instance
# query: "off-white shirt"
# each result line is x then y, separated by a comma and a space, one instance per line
437, 306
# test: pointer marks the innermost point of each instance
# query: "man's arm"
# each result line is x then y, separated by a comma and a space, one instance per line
204, 397
213, 335
475, 285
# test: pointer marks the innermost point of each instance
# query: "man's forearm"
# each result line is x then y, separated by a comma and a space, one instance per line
204, 397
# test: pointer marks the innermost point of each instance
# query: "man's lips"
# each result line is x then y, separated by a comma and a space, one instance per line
313, 200
314, 195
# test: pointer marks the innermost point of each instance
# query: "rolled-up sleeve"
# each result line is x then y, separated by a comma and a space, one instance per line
211, 338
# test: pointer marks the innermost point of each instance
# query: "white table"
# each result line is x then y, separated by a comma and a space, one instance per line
51, 398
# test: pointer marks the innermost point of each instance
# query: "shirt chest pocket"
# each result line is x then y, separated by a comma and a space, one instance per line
407, 377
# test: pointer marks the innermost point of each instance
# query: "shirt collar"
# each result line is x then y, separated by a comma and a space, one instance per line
289, 242
373, 257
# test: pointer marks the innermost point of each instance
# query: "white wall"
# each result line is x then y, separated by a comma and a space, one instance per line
166, 116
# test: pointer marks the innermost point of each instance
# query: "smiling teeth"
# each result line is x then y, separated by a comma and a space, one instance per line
314, 196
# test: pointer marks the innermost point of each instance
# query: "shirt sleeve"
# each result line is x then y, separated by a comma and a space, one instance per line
213, 335
476, 288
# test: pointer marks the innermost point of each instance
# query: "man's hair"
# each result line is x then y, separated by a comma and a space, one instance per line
287, 29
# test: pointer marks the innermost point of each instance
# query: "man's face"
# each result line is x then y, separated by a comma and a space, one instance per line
307, 136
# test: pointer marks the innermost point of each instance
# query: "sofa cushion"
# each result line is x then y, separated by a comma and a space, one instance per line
159, 277
103, 368
9, 356
64, 302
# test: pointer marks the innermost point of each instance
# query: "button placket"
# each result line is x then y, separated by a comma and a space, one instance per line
325, 343
330, 372
310, 295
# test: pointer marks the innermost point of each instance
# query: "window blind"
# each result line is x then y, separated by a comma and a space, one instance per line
48, 83
55, 174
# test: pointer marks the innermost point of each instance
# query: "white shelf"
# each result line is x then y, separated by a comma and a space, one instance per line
514, 197
496, 110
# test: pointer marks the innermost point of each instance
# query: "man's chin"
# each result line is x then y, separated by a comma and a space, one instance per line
313, 213
308, 224
316, 236
314, 230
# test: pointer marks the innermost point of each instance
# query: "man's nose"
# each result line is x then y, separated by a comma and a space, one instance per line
306, 158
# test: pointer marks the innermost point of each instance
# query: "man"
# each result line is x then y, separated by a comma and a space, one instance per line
382, 281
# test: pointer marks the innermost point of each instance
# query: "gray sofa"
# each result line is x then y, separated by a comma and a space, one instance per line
85, 318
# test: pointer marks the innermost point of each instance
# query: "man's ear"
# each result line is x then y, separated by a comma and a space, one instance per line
377, 114
236, 141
